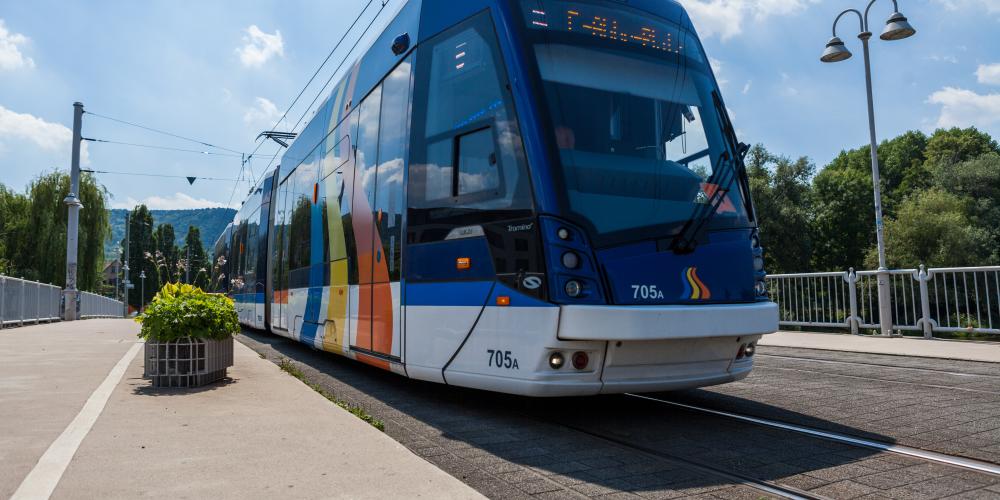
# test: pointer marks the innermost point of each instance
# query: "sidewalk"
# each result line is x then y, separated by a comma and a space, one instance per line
945, 349
263, 434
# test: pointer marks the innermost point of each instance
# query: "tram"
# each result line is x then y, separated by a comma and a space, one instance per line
536, 197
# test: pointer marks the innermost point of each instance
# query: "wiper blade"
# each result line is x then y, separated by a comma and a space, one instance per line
687, 240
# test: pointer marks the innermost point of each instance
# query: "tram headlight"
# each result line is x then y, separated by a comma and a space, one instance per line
758, 262
556, 360
574, 288
750, 349
571, 260
760, 289
563, 233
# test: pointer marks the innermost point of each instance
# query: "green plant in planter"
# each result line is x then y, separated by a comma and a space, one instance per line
179, 311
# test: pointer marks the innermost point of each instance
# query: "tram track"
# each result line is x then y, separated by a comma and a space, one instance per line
876, 365
770, 487
955, 461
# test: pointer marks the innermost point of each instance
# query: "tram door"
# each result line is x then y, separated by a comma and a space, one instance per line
378, 188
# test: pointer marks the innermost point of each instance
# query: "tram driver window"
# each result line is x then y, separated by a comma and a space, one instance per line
466, 155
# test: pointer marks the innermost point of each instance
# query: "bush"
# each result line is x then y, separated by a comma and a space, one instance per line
180, 311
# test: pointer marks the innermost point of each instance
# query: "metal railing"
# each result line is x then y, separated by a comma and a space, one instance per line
28, 302
98, 306
956, 299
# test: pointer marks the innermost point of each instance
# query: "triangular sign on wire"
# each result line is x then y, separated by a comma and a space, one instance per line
191, 180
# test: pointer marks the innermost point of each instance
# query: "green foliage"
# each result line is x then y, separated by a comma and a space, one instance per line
957, 145
932, 228
141, 257
781, 190
166, 253
195, 259
209, 221
180, 311
33, 231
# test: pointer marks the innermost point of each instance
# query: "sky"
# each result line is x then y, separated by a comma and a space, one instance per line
222, 72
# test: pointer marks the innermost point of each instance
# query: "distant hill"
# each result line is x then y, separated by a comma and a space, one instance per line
210, 221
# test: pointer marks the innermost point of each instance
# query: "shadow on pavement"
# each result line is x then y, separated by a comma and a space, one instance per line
503, 444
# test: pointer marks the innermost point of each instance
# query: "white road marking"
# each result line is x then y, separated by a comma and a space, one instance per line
42, 480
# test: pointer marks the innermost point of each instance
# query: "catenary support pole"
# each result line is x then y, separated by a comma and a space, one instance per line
73, 224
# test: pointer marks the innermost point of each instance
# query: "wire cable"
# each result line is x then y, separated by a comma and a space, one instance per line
138, 174
163, 148
249, 158
158, 131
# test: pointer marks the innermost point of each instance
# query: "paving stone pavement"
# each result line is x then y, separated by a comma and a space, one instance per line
947, 406
616, 446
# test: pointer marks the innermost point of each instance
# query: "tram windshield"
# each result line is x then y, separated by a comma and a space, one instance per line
636, 119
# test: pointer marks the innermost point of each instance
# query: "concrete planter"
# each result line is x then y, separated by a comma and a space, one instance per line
188, 362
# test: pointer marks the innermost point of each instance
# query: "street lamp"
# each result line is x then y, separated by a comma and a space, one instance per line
896, 28
142, 292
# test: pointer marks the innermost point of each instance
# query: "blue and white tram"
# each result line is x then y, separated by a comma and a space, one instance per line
538, 197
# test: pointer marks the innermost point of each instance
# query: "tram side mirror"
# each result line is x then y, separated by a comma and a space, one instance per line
401, 44
742, 149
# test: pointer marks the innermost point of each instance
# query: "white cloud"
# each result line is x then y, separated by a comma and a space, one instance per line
717, 68
10, 53
179, 201
747, 86
991, 6
259, 47
988, 74
725, 17
50, 137
965, 108
946, 58
263, 113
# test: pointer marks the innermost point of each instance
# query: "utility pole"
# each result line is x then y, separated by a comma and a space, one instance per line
72, 201
127, 281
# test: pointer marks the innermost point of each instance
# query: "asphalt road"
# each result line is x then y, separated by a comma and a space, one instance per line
623, 447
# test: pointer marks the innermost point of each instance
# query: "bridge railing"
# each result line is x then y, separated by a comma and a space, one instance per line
937, 300
29, 302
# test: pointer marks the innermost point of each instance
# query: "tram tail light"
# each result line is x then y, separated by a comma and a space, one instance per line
463, 263
503, 300
580, 360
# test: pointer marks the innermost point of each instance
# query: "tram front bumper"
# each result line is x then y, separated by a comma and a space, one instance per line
672, 322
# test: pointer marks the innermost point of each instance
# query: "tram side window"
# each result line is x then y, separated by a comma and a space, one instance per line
466, 152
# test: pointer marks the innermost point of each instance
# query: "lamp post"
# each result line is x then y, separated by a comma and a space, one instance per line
142, 292
896, 28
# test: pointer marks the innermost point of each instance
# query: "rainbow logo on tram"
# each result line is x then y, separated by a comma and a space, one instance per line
694, 288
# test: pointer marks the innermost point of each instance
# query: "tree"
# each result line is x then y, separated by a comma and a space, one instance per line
141, 256
194, 257
166, 253
932, 228
782, 196
956, 145
978, 180
13, 227
41, 256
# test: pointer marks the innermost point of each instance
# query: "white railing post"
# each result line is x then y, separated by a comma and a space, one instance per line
3, 300
852, 290
926, 323
20, 303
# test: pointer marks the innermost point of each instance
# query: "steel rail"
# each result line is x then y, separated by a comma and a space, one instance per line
965, 463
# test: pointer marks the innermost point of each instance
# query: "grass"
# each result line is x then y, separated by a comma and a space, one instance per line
288, 367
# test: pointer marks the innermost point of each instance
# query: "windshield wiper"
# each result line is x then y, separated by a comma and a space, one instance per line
687, 240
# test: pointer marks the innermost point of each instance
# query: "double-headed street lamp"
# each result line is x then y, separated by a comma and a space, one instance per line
896, 28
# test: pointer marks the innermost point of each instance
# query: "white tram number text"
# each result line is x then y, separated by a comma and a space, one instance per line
646, 292
502, 359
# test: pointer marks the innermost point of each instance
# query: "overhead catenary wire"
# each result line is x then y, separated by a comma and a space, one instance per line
249, 158
139, 174
163, 132
322, 90
163, 148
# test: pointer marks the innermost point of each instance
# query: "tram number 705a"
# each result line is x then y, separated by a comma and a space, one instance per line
502, 359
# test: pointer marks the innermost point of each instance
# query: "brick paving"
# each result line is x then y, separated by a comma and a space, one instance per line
947, 406
620, 447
